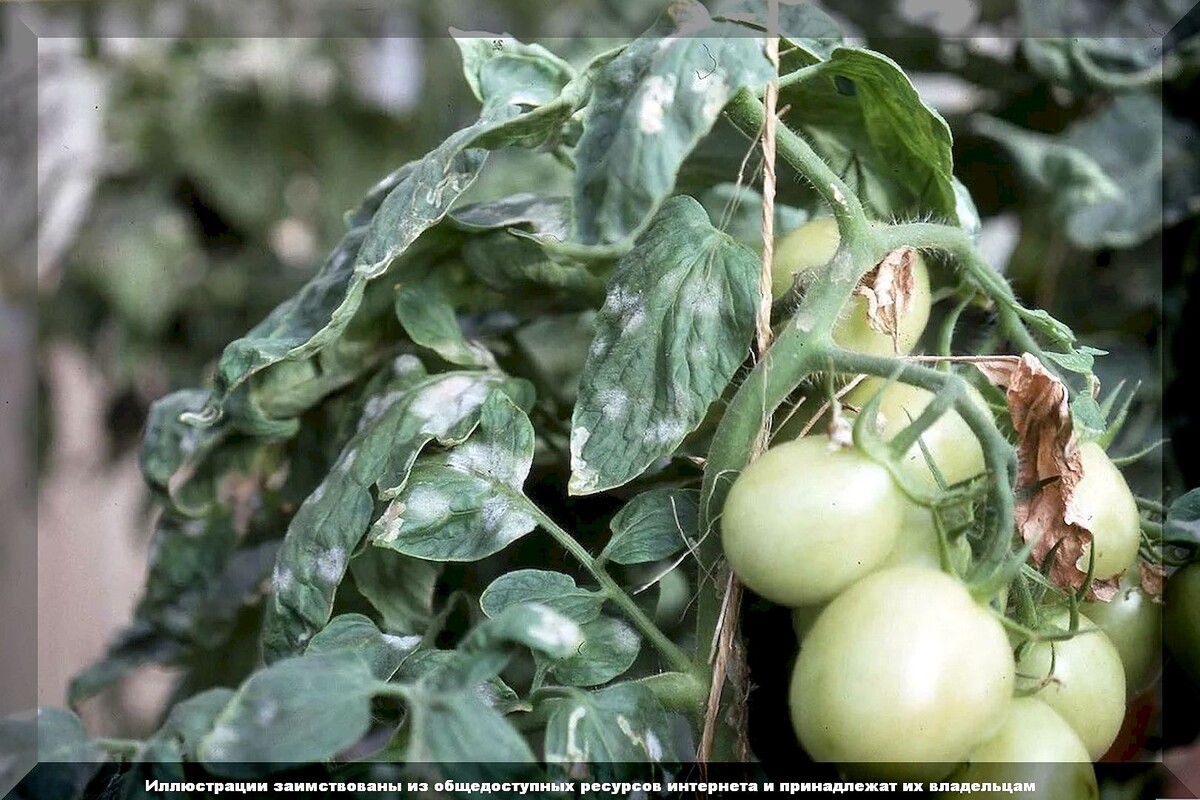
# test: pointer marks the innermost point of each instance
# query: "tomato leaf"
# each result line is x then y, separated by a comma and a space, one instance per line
654, 525
650, 106
863, 115
413, 411
1183, 519
302, 709
461, 729
809, 33
186, 725
675, 326
355, 633
466, 504
551, 589
427, 313
609, 648
399, 587
601, 734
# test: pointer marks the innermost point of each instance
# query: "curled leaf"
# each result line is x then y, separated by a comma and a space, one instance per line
1049, 467
888, 290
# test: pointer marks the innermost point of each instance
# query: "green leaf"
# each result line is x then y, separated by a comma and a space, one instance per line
395, 426
303, 709
675, 327
965, 211
187, 724
490, 645
1081, 360
609, 648
168, 445
864, 117
427, 313
542, 216
551, 589
517, 266
1112, 179
460, 728
604, 733
650, 106
399, 587
355, 633
499, 68
466, 504
803, 26
1183, 518
61, 738
430, 665
654, 525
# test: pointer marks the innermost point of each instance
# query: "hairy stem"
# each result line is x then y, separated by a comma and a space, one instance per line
671, 652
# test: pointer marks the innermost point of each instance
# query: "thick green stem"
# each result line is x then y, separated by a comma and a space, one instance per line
671, 652
998, 454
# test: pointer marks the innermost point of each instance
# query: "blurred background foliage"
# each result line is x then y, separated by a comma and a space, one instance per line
191, 181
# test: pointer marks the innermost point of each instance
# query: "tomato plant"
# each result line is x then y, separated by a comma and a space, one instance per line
904, 673
1081, 678
488, 488
809, 248
807, 519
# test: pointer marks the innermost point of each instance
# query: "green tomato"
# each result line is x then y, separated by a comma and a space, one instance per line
917, 543
810, 247
1081, 678
1134, 624
807, 519
1036, 746
901, 676
1105, 506
951, 444
1181, 619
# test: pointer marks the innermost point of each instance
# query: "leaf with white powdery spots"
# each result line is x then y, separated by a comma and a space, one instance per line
466, 504
552, 589
654, 525
395, 426
355, 633
676, 325
602, 733
650, 106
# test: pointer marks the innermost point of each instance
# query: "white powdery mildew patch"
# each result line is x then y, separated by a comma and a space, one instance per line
391, 522
583, 477
492, 514
265, 713
220, 743
282, 579
426, 504
557, 632
715, 90
612, 402
625, 637
401, 644
654, 747
318, 493
658, 93
376, 406
347, 460
702, 298
599, 347
666, 431
331, 564
575, 753
447, 401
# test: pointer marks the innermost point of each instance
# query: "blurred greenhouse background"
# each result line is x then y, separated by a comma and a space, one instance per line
195, 160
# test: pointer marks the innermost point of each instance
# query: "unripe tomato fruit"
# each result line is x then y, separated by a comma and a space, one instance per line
952, 445
1181, 619
901, 676
1106, 507
810, 247
807, 519
1036, 746
1086, 686
1134, 624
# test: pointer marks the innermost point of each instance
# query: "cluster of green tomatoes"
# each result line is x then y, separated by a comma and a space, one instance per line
903, 672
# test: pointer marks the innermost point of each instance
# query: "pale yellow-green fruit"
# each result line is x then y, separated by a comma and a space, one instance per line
1036, 746
810, 247
807, 519
952, 445
1081, 678
1105, 506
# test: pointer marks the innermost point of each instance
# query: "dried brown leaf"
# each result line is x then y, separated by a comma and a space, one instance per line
1152, 578
1049, 468
888, 290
